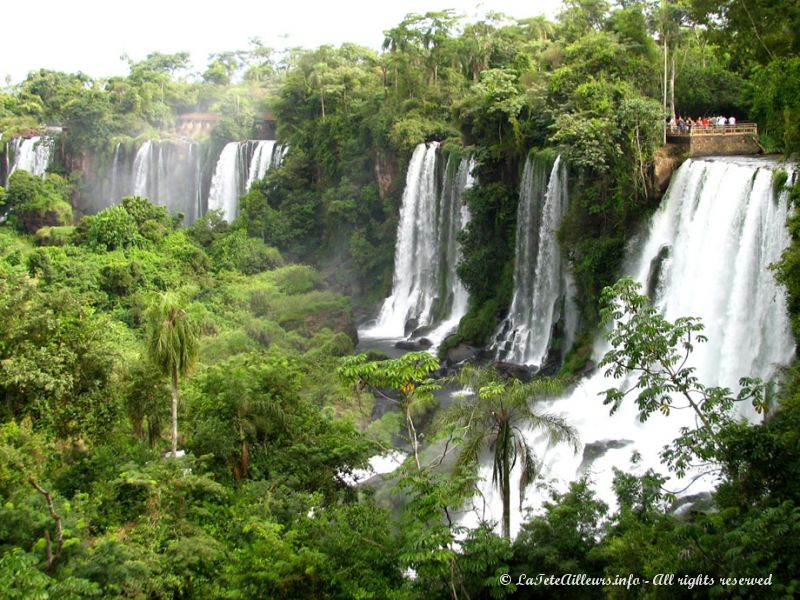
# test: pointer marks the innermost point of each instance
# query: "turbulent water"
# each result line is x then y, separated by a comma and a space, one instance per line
426, 292
540, 279
239, 165
31, 154
706, 253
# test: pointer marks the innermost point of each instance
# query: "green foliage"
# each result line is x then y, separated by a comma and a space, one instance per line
491, 418
112, 228
656, 350
32, 203
567, 538
249, 255
57, 360
774, 91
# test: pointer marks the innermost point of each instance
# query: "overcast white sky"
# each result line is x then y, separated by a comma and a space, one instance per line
91, 35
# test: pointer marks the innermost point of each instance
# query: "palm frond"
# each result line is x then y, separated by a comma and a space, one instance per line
530, 467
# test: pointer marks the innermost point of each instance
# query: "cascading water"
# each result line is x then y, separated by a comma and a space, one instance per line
706, 254
167, 173
540, 280
426, 290
172, 174
453, 217
32, 154
260, 162
239, 165
115, 169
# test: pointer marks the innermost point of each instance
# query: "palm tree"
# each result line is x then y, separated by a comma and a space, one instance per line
493, 417
172, 346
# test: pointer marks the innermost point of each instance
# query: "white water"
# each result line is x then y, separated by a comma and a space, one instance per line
261, 162
167, 173
239, 165
539, 277
415, 251
426, 291
32, 154
224, 194
115, 168
141, 170
722, 229
453, 217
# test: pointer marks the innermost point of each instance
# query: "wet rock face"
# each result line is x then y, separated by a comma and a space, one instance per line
410, 326
513, 370
462, 352
414, 345
594, 450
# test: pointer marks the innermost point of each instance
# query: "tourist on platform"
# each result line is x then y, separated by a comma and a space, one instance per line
732, 120
681, 124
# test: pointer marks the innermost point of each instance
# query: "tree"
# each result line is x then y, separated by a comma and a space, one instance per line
408, 375
656, 351
172, 346
493, 417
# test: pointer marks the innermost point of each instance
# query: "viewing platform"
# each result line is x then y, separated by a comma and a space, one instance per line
741, 138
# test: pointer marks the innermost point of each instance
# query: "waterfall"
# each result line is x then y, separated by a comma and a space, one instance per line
167, 173
224, 194
141, 170
706, 253
197, 181
115, 172
261, 161
425, 289
540, 281
239, 165
32, 154
453, 217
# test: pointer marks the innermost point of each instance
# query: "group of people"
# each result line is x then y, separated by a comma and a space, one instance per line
683, 125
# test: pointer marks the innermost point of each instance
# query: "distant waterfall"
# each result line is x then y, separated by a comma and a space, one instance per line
540, 280
32, 154
115, 172
167, 173
706, 254
239, 165
426, 291
180, 175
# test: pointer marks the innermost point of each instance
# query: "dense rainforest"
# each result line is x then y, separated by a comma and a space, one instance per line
183, 413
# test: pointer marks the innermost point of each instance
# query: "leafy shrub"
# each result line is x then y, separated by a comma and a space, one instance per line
112, 228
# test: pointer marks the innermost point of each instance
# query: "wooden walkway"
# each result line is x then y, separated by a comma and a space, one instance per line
739, 128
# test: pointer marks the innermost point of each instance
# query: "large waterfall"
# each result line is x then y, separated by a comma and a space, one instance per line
31, 154
239, 165
426, 292
540, 280
178, 175
168, 173
706, 254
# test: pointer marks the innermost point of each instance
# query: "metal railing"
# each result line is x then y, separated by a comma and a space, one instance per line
696, 130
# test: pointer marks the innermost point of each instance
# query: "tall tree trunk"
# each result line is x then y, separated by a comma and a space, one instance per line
665, 86
174, 412
506, 493
672, 86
